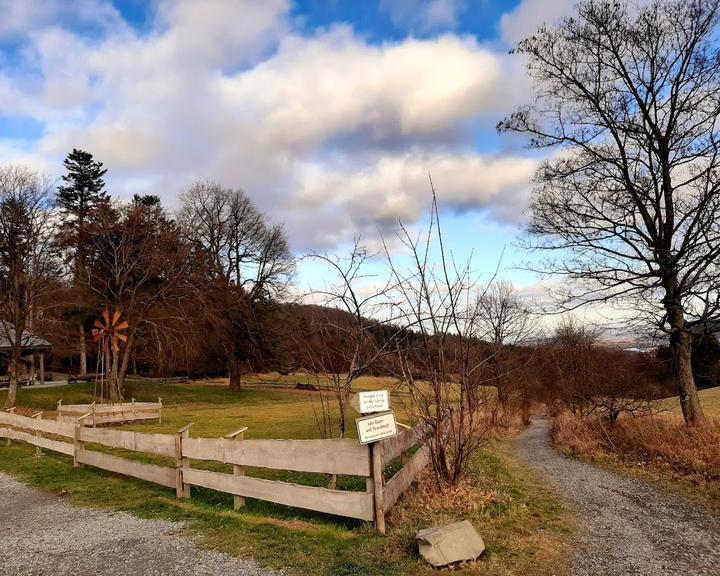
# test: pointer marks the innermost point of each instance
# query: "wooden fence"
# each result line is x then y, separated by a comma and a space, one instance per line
332, 457
100, 414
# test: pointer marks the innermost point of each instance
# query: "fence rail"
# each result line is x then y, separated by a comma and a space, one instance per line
100, 414
332, 457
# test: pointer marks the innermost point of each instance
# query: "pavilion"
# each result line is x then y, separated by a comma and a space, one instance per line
34, 349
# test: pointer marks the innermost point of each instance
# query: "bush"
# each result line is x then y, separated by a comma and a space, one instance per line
660, 442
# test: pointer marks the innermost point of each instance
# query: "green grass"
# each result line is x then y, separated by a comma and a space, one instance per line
525, 527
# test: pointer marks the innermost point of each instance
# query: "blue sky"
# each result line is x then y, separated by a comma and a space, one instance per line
330, 114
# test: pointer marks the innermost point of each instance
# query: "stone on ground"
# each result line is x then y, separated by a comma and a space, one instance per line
443, 545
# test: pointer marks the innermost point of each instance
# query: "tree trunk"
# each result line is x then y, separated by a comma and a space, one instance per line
234, 367
13, 389
681, 345
125, 363
689, 399
83, 351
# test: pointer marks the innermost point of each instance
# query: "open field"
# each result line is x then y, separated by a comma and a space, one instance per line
525, 527
709, 399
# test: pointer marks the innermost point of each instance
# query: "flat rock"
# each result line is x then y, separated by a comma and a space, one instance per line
443, 545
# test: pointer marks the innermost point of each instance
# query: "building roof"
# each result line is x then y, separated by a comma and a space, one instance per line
29, 341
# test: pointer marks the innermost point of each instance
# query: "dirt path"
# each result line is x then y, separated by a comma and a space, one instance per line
627, 527
40, 535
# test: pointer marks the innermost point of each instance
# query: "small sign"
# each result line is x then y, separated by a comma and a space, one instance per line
369, 402
376, 427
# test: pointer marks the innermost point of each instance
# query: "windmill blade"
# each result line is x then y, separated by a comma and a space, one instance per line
124, 324
122, 337
116, 347
106, 315
116, 317
99, 324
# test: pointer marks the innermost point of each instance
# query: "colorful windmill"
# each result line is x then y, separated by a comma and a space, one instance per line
108, 334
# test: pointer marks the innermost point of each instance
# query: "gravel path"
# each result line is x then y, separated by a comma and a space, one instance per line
40, 535
627, 527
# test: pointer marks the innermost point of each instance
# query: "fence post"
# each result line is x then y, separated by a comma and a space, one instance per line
38, 434
160, 413
78, 438
8, 442
182, 490
238, 501
377, 480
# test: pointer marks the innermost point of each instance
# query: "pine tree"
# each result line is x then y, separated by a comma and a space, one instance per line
82, 192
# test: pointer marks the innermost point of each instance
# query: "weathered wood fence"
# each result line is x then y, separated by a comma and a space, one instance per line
332, 457
101, 414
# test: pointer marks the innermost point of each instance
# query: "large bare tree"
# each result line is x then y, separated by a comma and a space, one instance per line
628, 206
29, 259
248, 265
137, 262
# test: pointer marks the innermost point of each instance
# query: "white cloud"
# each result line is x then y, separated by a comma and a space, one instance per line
325, 131
397, 187
422, 15
529, 15
21, 17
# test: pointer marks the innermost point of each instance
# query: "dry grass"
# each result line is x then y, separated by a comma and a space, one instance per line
709, 400
659, 447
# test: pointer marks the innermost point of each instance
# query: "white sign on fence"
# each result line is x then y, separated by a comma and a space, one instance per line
369, 402
376, 427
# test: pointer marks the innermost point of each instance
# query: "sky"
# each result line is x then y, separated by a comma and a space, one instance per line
329, 114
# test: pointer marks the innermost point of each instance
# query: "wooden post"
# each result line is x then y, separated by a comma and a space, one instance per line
38, 434
377, 479
8, 441
160, 417
238, 501
182, 490
93, 414
42, 367
78, 442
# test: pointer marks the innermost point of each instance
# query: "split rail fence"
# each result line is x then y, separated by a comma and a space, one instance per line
101, 414
332, 457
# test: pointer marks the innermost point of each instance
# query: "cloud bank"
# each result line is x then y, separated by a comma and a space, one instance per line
326, 131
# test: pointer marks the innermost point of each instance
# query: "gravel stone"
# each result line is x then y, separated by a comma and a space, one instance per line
627, 527
41, 535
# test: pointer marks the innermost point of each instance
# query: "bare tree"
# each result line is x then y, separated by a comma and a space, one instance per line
442, 363
248, 265
629, 205
505, 316
506, 320
353, 333
29, 259
136, 262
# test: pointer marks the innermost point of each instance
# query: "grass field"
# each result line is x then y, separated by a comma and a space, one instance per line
709, 400
526, 528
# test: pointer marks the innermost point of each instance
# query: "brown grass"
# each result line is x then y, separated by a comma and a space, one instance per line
661, 446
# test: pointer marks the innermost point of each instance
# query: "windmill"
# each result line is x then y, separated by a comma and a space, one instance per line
108, 334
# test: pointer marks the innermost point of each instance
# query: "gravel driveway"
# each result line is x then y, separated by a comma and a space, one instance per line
627, 527
40, 535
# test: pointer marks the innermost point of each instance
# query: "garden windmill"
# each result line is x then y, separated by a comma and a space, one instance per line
108, 333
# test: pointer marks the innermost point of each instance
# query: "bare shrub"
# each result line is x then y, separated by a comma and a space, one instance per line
657, 442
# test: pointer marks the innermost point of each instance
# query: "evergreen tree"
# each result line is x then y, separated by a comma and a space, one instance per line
82, 191
147, 200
